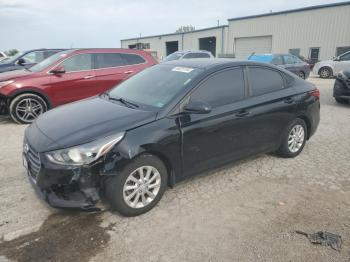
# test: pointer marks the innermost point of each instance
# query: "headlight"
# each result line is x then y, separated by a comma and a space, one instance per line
84, 154
5, 83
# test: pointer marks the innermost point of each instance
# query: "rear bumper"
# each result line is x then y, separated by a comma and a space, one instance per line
307, 73
315, 118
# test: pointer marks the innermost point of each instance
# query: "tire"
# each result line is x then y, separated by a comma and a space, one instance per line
116, 186
325, 72
286, 146
341, 100
25, 108
301, 74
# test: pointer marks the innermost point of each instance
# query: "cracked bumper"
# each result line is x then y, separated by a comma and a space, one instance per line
75, 189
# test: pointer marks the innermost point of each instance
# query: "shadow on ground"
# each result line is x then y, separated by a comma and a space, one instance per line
64, 236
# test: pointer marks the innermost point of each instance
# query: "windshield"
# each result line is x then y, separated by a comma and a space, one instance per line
173, 56
261, 58
155, 86
12, 58
50, 60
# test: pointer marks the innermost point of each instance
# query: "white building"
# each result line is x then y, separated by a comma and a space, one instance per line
212, 39
316, 32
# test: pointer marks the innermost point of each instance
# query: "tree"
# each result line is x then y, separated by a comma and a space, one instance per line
185, 28
11, 52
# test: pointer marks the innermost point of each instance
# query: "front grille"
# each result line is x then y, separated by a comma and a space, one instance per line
33, 159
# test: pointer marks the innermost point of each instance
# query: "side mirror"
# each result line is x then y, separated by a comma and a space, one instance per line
58, 70
21, 61
336, 58
197, 107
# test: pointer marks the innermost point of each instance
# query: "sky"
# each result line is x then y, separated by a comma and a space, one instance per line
29, 24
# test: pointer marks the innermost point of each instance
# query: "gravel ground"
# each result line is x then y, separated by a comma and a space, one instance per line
246, 211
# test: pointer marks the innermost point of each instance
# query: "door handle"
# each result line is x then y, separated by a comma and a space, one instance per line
128, 72
243, 113
88, 77
289, 100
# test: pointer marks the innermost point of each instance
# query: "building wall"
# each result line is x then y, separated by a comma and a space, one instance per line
326, 28
187, 41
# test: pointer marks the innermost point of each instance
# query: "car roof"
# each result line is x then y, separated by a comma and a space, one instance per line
271, 54
207, 63
192, 51
112, 50
44, 49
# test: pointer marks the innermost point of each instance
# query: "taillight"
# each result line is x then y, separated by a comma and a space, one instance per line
315, 93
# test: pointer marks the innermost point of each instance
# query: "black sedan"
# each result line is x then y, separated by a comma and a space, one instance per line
341, 90
163, 125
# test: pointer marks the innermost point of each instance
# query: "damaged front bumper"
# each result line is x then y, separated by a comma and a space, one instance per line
68, 187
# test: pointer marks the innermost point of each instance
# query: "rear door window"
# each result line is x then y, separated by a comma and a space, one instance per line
78, 63
288, 59
264, 80
34, 57
51, 52
221, 89
277, 60
107, 60
132, 59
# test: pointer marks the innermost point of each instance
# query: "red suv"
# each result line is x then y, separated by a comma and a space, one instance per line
66, 77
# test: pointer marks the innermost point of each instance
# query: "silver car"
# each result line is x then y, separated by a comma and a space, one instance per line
329, 68
188, 54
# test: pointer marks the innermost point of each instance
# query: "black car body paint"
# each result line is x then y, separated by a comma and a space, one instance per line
186, 143
341, 90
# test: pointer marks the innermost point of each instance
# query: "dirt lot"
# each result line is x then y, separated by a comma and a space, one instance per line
244, 212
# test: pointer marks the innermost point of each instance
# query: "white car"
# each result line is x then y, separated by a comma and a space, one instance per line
329, 68
2, 56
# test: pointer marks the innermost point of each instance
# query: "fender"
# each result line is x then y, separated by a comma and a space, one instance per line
324, 64
151, 139
32, 90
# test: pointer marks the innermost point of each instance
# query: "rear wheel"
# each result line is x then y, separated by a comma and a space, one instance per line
139, 187
293, 139
325, 72
25, 108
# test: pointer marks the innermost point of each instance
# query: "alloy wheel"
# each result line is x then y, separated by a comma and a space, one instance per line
325, 73
141, 186
296, 138
29, 109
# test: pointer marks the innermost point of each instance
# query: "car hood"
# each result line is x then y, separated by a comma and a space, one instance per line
14, 74
82, 122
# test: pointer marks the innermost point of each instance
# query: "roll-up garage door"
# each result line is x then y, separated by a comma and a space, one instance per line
245, 46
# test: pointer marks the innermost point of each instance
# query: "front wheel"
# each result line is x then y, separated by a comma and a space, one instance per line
25, 108
139, 187
293, 139
325, 72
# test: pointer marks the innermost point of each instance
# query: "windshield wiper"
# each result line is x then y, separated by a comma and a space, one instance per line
123, 101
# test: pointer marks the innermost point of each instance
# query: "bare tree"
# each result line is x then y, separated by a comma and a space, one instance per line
11, 52
185, 28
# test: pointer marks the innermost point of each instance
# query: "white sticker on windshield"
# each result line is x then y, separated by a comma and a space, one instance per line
182, 69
